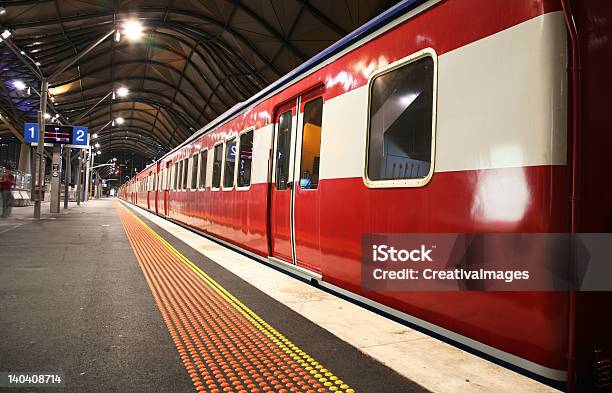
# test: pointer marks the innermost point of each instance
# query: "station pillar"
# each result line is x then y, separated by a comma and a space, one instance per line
55, 179
24, 158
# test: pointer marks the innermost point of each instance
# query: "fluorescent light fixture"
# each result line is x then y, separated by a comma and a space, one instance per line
132, 29
19, 85
5, 34
122, 91
119, 120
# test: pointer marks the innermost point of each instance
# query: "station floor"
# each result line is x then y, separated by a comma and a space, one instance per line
120, 300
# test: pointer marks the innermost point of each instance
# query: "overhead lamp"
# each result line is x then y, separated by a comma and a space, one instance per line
5, 34
98, 152
19, 85
38, 63
120, 120
47, 116
29, 90
132, 29
94, 136
117, 36
122, 91
2, 10
97, 145
114, 159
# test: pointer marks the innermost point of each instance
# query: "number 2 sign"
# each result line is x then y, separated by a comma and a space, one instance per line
79, 135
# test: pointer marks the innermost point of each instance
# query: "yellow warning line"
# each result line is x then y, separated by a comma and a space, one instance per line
322, 374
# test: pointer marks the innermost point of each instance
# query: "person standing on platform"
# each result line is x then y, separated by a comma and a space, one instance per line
7, 183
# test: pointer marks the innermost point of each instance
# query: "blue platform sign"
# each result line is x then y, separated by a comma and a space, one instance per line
79, 135
30, 132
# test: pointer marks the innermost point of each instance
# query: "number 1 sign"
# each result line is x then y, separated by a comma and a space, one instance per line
30, 132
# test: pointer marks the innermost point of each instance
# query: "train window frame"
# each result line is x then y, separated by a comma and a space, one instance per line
203, 153
212, 175
193, 180
238, 145
408, 183
223, 187
301, 140
186, 167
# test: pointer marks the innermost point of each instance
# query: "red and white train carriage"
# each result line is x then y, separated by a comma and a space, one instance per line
437, 116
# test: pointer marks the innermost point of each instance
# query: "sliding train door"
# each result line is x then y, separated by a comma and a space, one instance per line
281, 190
295, 200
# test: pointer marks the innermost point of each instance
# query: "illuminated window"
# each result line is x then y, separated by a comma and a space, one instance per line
311, 144
185, 173
230, 163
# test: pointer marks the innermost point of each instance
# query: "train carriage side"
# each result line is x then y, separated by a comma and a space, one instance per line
298, 177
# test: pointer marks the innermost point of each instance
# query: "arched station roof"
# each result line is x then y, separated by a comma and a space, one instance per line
195, 60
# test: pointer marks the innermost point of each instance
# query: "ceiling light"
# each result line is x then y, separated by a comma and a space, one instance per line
94, 136
2, 10
5, 34
47, 116
122, 91
97, 145
117, 36
22, 52
132, 29
19, 85
120, 120
38, 63
98, 152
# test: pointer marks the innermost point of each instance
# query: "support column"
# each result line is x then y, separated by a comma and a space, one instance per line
86, 183
40, 151
24, 158
67, 175
79, 177
55, 179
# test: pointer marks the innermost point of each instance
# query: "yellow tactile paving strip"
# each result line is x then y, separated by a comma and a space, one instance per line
224, 345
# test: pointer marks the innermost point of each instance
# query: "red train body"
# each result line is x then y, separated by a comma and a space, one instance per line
519, 144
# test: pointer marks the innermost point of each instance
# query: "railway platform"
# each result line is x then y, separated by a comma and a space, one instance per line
116, 300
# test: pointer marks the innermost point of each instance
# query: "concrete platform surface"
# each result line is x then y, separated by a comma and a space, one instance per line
74, 299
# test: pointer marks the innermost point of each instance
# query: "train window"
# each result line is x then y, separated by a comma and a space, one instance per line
311, 144
194, 171
229, 163
203, 162
180, 175
400, 139
218, 158
283, 149
245, 158
185, 173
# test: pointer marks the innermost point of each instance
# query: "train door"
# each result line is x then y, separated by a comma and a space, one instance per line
281, 191
294, 210
166, 188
